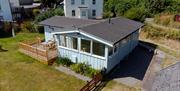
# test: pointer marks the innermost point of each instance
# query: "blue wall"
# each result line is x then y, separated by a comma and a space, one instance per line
75, 56
98, 63
122, 51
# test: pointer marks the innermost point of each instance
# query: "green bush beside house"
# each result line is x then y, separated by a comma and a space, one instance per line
81, 68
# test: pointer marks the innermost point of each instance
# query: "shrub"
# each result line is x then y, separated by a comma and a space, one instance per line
48, 14
64, 61
36, 12
28, 26
84, 69
161, 33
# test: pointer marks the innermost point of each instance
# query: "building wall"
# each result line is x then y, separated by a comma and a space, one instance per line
123, 50
107, 62
5, 11
77, 57
14, 2
88, 3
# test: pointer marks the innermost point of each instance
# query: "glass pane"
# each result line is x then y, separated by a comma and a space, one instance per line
110, 51
98, 49
72, 42
62, 41
85, 45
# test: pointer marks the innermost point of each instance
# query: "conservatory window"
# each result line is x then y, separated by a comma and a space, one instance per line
62, 40
72, 42
98, 49
85, 45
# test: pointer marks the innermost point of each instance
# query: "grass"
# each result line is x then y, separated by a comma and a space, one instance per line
114, 86
19, 72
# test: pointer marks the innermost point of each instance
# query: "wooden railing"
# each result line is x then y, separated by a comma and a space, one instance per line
33, 49
93, 83
42, 52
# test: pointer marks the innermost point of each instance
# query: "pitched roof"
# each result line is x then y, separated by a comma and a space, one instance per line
66, 22
111, 30
168, 79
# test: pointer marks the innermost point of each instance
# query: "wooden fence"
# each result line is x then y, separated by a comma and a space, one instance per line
43, 54
93, 83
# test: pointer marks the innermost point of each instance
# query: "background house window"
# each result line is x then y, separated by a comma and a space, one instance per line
93, 2
72, 42
73, 13
72, 2
98, 49
82, 2
83, 13
93, 12
62, 41
85, 45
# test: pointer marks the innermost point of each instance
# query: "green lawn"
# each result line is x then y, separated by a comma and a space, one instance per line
19, 72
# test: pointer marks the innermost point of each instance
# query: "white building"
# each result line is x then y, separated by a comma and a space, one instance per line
92, 9
5, 10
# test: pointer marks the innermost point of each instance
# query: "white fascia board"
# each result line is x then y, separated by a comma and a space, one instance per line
96, 38
87, 35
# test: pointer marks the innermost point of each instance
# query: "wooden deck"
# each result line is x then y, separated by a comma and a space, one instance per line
45, 53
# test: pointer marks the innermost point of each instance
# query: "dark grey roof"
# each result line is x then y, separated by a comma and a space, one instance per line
65, 22
168, 79
117, 29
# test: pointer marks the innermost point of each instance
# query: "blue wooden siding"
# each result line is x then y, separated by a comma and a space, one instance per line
107, 62
48, 33
122, 51
75, 56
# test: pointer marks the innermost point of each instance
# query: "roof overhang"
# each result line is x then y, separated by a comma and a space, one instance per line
87, 35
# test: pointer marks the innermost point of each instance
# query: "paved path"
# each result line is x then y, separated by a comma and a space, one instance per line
70, 72
154, 67
132, 70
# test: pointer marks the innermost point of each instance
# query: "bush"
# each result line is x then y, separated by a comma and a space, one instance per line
84, 69
152, 32
138, 14
28, 26
36, 12
48, 14
64, 61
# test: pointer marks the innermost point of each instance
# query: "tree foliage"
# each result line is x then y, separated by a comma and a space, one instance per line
48, 14
139, 9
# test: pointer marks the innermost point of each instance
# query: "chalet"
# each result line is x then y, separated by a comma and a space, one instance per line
82, 36
99, 43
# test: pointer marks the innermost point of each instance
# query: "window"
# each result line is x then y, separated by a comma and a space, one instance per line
83, 13
93, 2
82, 2
98, 49
110, 51
72, 42
93, 12
72, 2
62, 41
73, 13
85, 45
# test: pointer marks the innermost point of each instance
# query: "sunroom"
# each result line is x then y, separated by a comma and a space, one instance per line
82, 49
